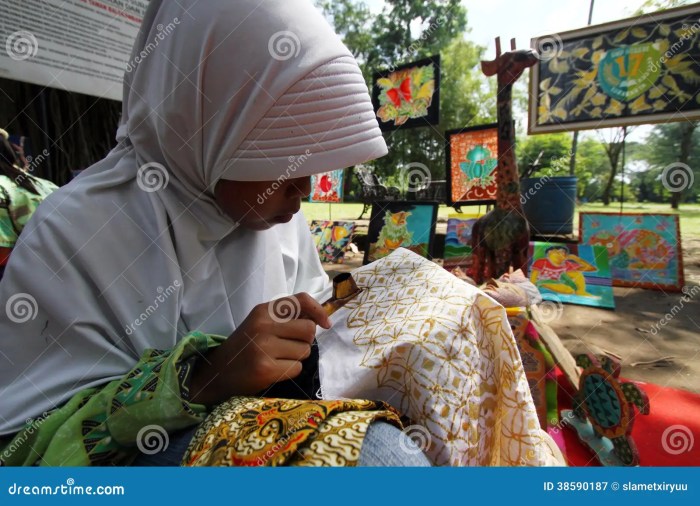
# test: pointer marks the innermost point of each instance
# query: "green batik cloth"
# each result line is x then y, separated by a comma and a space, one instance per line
17, 205
101, 426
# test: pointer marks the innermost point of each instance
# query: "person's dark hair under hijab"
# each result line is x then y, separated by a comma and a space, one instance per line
9, 166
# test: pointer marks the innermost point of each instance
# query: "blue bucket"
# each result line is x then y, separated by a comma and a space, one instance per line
549, 204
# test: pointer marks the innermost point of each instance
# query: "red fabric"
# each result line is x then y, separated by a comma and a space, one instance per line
668, 407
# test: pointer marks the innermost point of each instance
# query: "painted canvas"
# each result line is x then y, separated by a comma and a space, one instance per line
572, 273
393, 225
472, 162
327, 187
331, 239
644, 249
458, 241
409, 95
640, 70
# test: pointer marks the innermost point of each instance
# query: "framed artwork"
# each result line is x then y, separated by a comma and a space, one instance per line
458, 241
327, 187
644, 249
331, 239
472, 162
409, 95
639, 70
572, 273
393, 225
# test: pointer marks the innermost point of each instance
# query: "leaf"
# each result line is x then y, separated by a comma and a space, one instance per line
597, 42
639, 32
554, 90
621, 36
599, 99
560, 113
657, 91
664, 29
597, 56
670, 82
426, 91
659, 105
615, 108
678, 64
385, 82
596, 113
639, 105
557, 66
545, 84
580, 52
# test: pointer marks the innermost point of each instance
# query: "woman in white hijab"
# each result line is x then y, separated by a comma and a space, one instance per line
124, 287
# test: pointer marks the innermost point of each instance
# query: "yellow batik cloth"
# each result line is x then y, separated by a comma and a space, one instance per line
253, 431
442, 353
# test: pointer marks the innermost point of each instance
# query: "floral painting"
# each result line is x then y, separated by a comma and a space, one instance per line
331, 239
644, 249
327, 187
641, 70
472, 161
394, 225
408, 96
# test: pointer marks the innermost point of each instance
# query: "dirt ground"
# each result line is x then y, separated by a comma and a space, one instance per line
655, 334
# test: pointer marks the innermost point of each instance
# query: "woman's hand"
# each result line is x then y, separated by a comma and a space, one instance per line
268, 347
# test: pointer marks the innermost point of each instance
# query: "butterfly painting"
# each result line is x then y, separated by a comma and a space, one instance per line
408, 96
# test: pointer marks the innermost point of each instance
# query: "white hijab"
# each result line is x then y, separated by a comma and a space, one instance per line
244, 90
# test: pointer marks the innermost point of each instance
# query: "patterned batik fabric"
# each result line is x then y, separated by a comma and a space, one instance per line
442, 353
112, 424
251, 431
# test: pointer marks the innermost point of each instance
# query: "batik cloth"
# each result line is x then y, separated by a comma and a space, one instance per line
17, 205
250, 431
443, 354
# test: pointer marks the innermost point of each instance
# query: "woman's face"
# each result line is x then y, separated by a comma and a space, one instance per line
259, 205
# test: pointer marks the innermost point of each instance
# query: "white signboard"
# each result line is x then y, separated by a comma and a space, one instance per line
76, 45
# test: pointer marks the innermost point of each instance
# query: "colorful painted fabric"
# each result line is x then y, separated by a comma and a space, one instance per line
247, 431
17, 205
106, 426
332, 238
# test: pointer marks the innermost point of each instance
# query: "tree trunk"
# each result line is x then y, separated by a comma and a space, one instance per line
613, 150
687, 129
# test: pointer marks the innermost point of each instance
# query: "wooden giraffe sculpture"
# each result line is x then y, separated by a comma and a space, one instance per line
500, 239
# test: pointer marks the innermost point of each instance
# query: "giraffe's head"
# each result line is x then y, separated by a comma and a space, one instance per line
509, 66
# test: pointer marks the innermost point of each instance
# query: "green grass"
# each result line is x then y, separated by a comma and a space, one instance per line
689, 213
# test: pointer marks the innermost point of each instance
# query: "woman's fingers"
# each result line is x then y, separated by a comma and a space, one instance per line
312, 310
290, 349
288, 369
299, 330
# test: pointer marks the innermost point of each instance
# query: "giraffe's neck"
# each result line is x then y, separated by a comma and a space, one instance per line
507, 176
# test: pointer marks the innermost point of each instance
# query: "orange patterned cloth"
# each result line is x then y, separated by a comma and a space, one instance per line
248, 431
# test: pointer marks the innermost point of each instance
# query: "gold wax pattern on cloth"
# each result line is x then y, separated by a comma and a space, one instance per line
248, 431
443, 354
